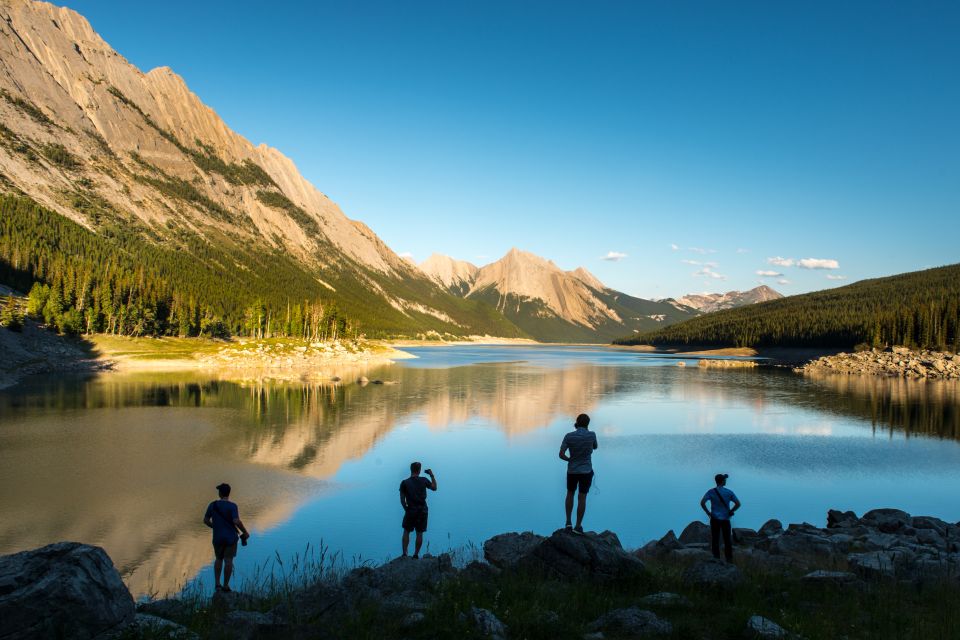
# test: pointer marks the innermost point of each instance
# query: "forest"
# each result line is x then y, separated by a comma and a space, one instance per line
918, 309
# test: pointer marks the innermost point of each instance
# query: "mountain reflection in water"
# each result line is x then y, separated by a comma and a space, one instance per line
130, 461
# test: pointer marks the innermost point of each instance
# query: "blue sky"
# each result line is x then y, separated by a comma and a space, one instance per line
698, 140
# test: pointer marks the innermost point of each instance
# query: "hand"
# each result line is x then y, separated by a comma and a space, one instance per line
429, 472
244, 538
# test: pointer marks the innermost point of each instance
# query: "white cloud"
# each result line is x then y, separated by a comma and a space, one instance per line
674, 247
743, 250
701, 251
766, 273
712, 265
707, 272
831, 276
693, 262
614, 256
781, 262
818, 263
783, 281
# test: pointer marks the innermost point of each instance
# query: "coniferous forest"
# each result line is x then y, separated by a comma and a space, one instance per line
919, 309
81, 282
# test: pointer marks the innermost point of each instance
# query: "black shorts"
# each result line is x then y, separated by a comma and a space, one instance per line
415, 519
584, 480
221, 551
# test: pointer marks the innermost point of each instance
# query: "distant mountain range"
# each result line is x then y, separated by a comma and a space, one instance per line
710, 302
554, 305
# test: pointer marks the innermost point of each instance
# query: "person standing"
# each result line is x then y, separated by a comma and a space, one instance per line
413, 498
223, 517
581, 443
720, 513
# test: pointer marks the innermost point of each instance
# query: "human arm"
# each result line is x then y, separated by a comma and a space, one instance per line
736, 505
433, 480
595, 442
703, 505
403, 499
208, 517
564, 447
238, 524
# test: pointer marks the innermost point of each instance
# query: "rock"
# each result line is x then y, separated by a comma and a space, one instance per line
595, 556
633, 622
712, 573
487, 624
771, 528
479, 572
691, 553
666, 600
335, 378
696, 531
412, 620
66, 589
507, 549
151, 626
314, 602
926, 522
402, 576
596, 635
830, 578
799, 544
363, 380
745, 536
931, 538
886, 520
760, 627
875, 565
669, 542
837, 519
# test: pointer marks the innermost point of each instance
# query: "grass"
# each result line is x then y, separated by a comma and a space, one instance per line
535, 608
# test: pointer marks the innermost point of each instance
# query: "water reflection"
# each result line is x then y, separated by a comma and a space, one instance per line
129, 461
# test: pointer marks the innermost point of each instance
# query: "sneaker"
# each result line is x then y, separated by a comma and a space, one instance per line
578, 531
226, 590
568, 527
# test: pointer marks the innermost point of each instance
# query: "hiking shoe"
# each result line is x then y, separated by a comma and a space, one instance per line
568, 527
578, 531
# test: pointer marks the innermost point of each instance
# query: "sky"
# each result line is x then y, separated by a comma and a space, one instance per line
667, 147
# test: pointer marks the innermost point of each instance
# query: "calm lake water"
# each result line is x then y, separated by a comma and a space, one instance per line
129, 461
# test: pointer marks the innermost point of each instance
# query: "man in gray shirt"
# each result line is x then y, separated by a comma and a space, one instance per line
580, 443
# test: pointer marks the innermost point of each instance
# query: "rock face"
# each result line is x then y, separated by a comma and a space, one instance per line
712, 573
895, 361
66, 589
456, 276
593, 556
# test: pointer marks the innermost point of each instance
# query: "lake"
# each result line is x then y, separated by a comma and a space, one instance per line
130, 461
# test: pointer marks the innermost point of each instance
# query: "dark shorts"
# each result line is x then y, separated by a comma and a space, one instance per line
583, 480
221, 551
415, 519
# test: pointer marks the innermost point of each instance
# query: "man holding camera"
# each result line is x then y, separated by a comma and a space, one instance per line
223, 517
413, 498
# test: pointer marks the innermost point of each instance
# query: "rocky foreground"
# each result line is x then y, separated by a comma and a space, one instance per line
894, 361
563, 585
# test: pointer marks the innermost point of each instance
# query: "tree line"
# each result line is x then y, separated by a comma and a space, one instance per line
115, 282
919, 309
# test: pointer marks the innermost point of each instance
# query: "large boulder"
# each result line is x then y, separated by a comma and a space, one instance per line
696, 531
508, 549
771, 528
712, 573
760, 627
887, 520
802, 544
632, 623
399, 581
571, 556
67, 589
487, 624
837, 519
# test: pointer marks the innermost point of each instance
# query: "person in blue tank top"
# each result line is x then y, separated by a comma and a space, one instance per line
577, 450
720, 513
223, 517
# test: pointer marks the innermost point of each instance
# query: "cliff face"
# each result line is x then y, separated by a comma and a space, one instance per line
710, 302
88, 135
457, 276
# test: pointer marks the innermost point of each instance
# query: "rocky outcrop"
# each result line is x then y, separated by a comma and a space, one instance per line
895, 361
565, 555
67, 590
723, 363
710, 302
883, 543
632, 622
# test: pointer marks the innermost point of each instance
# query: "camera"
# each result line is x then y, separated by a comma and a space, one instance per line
244, 538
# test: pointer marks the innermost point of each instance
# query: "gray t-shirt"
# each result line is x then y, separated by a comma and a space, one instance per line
580, 442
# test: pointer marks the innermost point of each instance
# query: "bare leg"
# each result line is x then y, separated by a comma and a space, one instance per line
406, 541
217, 568
581, 507
569, 505
419, 543
227, 572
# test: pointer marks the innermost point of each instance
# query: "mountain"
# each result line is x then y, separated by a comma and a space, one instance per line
456, 276
920, 309
138, 170
548, 303
710, 302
